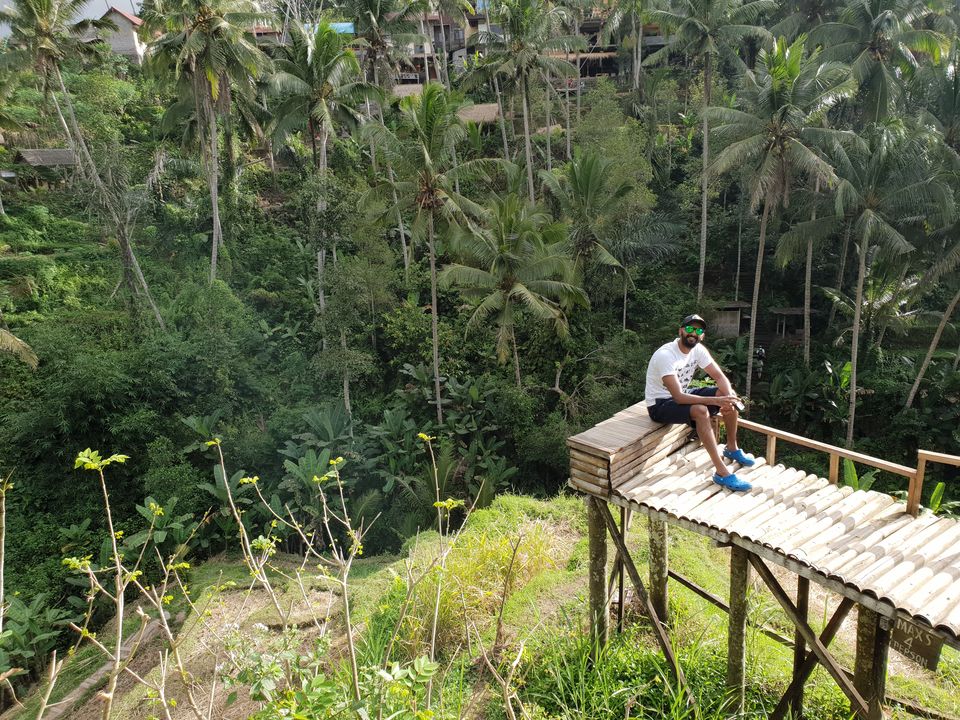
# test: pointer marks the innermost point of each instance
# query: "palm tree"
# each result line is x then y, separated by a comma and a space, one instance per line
703, 28
319, 82
647, 237
776, 136
888, 186
588, 198
791, 246
457, 11
206, 44
384, 29
518, 264
944, 319
880, 40
422, 151
626, 18
939, 86
522, 53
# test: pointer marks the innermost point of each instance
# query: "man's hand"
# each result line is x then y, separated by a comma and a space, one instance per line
726, 402
729, 405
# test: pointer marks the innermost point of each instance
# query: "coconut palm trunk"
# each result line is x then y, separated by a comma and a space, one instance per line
434, 317
754, 305
948, 313
211, 158
516, 356
707, 79
576, 32
503, 119
528, 151
855, 341
626, 287
392, 177
808, 281
549, 118
324, 136
845, 250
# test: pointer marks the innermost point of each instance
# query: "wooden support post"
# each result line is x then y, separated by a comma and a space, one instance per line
659, 569
771, 454
597, 538
870, 666
810, 662
621, 593
658, 628
834, 468
819, 649
737, 627
799, 647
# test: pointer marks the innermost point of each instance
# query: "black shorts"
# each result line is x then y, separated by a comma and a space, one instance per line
670, 412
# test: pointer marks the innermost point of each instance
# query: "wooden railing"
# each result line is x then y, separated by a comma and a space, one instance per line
914, 475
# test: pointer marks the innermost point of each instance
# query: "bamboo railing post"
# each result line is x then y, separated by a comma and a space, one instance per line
659, 569
834, 468
916, 486
737, 627
597, 537
771, 454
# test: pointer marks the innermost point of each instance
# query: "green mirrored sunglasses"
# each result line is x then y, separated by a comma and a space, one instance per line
693, 330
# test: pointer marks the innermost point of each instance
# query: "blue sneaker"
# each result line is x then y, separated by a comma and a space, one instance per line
740, 456
732, 482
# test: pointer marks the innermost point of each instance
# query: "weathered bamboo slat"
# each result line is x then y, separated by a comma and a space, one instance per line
588, 468
918, 530
824, 518
854, 543
818, 495
904, 549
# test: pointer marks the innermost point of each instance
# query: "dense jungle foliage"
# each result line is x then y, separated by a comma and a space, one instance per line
260, 243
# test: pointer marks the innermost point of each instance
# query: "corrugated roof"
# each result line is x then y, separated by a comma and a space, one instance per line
56, 157
864, 543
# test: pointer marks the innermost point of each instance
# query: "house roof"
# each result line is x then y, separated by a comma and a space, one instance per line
481, 113
732, 305
133, 19
54, 157
404, 89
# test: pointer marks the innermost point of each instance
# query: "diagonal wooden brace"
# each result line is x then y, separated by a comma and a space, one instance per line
810, 660
638, 586
818, 648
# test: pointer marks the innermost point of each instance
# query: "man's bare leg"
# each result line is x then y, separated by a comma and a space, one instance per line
730, 418
701, 416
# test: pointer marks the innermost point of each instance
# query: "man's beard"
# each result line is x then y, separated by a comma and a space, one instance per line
691, 341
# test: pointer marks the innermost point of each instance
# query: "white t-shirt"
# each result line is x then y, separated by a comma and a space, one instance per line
668, 360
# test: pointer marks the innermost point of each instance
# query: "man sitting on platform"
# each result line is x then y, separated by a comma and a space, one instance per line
668, 400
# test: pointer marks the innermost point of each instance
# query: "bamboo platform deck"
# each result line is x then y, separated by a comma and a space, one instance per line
865, 546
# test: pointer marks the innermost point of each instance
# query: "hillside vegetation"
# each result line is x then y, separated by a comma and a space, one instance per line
263, 312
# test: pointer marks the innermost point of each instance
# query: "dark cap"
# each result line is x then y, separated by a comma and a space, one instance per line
689, 319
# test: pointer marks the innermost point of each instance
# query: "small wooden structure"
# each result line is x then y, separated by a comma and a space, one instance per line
727, 319
877, 553
789, 320
46, 158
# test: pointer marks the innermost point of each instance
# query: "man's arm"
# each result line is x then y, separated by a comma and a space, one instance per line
682, 398
723, 382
